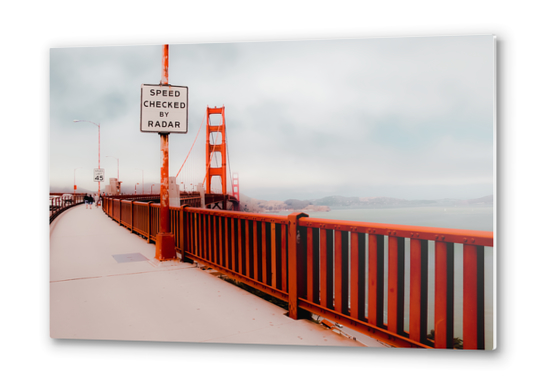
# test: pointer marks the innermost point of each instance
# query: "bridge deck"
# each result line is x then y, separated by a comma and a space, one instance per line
98, 290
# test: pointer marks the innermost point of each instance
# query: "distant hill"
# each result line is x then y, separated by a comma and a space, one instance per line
389, 202
339, 202
354, 202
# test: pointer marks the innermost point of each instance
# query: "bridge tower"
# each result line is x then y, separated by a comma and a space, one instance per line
217, 146
235, 191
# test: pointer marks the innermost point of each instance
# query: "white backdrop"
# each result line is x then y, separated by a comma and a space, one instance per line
29, 29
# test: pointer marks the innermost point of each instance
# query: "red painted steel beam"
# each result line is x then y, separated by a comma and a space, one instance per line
263, 238
294, 273
484, 238
357, 281
302, 263
255, 248
222, 259
273, 255
312, 270
341, 272
284, 256
444, 294
376, 279
473, 297
326, 269
207, 250
248, 249
165, 242
418, 290
240, 237
241, 215
165, 65
396, 284
215, 235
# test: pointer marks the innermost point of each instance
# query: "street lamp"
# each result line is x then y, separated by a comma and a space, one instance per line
118, 179
74, 185
98, 125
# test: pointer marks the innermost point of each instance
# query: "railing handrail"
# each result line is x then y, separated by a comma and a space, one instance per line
246, 215
484, 238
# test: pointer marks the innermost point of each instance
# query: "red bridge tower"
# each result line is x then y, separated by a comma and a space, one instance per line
217, 146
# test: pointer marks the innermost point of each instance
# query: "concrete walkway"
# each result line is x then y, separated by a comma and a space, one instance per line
98, 290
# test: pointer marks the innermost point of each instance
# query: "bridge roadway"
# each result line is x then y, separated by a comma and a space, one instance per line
99, 291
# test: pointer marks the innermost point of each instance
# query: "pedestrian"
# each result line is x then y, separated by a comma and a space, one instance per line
90, 201
85, 199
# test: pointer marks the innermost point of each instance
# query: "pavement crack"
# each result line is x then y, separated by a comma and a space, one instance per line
114, 275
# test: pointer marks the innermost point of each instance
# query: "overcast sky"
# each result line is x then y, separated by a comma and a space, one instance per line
406, 117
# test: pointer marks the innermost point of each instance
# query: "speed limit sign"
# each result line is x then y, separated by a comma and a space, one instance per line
99, 174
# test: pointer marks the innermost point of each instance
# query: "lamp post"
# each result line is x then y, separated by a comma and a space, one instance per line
118, 179
74, 185
98, 125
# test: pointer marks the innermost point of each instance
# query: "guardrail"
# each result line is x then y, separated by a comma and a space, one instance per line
352, 272
59, 204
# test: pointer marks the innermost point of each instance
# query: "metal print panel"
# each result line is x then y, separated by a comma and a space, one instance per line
326, 193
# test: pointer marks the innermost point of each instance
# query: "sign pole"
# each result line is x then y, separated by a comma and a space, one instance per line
99, 157
165, 242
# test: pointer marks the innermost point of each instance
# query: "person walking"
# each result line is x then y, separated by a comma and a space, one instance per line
90, 201
85, 200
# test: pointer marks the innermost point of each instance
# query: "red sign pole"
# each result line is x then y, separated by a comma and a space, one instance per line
165, 242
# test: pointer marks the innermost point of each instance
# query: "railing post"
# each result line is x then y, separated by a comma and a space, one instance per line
396, 284
418, 290
444, 294
182, 230
132, 216
294, 273
473, 297
120, 212
357, 282
341, 272
149, 221
376, 279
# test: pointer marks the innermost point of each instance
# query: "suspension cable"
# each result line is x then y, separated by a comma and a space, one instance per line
191, 147
209, 163
228, 157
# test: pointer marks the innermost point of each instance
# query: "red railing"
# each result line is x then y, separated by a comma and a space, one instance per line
362, 275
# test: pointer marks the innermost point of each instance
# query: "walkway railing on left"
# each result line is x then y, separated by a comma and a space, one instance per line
58, 203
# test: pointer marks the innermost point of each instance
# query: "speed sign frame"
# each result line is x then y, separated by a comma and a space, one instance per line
164, 108
99, 175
